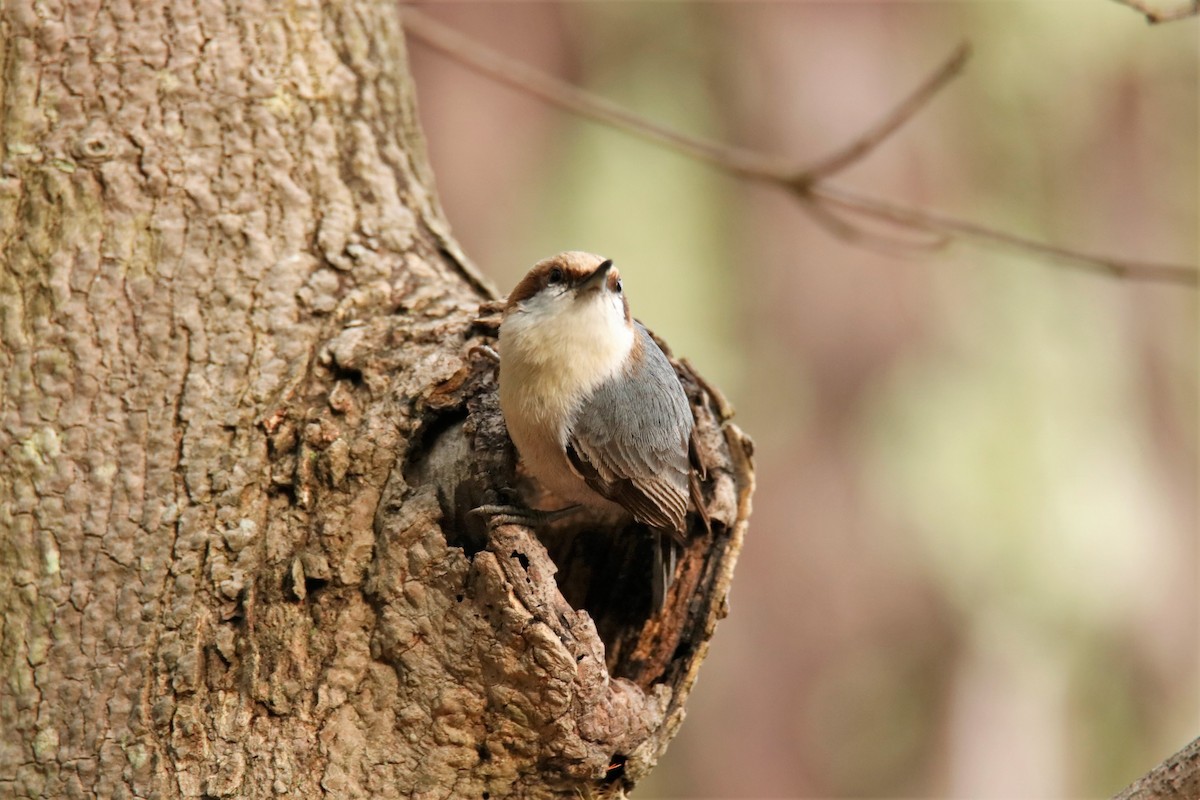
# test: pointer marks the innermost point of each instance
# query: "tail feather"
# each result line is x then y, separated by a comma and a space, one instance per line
666, 558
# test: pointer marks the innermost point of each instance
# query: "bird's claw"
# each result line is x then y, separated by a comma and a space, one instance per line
486, 352
500, 514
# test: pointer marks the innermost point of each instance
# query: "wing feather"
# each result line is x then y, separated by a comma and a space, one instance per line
630, 440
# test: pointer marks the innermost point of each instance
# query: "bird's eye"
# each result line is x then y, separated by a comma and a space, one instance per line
555, 276
618, 286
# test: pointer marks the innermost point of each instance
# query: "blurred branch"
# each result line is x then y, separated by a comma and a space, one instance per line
1154, 16
808, 184
474, 55
903, 112
839, 227
1177, 778
937, 223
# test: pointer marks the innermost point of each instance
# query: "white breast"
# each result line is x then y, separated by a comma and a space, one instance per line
554, 351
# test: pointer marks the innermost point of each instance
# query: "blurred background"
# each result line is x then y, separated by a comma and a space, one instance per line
972, 565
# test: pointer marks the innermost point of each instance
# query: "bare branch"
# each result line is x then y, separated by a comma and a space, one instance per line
935, 222
807, 184
1154, 16
871, 240
902, 113
489, 63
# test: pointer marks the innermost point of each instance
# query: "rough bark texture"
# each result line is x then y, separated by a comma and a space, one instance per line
242, 419
1177, 778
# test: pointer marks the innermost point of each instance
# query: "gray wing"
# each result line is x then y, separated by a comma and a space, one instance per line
630, 440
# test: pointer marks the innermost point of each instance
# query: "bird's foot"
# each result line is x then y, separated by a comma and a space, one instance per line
497, 515
486, 352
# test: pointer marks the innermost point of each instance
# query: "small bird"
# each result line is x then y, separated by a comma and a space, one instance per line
593, 405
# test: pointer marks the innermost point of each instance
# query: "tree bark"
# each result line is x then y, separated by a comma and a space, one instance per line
243, 420
1176, 778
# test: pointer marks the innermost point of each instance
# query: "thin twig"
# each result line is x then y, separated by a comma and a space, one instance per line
902, 113
1154, 16
940, 223
489, 63
811, 192
854, 234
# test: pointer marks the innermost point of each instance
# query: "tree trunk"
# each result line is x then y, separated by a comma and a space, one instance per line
243, 419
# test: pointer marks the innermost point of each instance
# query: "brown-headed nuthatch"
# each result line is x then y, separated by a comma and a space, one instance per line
591, 402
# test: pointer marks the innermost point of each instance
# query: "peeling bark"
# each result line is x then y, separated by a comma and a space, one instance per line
243, 423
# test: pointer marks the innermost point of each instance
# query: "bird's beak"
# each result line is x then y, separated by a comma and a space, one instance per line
597, 279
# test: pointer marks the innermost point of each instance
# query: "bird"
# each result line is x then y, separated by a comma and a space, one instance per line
593, 405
